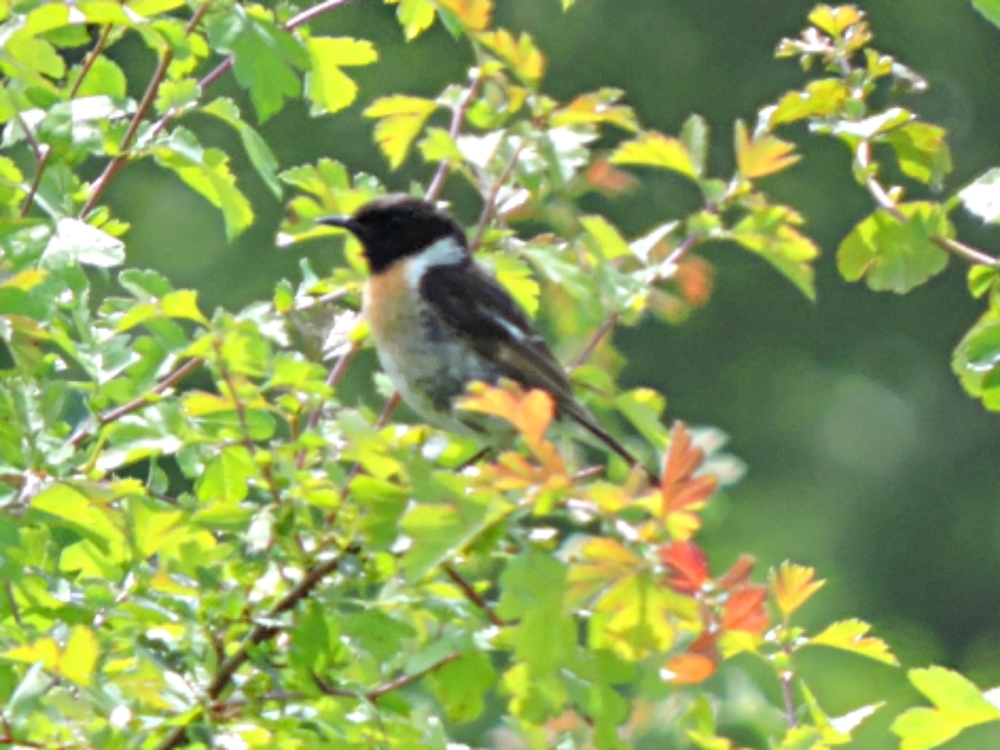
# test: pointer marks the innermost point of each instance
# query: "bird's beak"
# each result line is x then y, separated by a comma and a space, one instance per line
344, 222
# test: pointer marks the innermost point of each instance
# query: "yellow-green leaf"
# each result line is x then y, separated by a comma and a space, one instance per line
474, 14
520, 54
763, 155
415, 16
852, 635
400, 119
79, 656
652, 149
328, 88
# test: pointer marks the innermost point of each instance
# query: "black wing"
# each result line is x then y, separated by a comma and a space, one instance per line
474, 306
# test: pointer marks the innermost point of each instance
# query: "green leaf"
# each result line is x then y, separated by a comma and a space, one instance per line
654, 149
982, 279
206, 171
852, 635
922, 151
644, 408
892, 255
177, 95
982, 196
79, 657
400, 119
771, 233
460, 686
226, 477
607, 239
990, 10
76, 241
958, 705
516, 277
820, 99
694, 136
263, 55
415, 16
260, 154
149, 8
104, 78
328, 88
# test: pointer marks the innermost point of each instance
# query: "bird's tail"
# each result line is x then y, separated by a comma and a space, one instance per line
586, 420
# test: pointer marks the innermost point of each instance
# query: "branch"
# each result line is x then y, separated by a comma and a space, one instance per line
137, 403
115, 165
457, 118
884, 201
43, 159
332, 380
474, 596
490, 202
389, 687
258, 635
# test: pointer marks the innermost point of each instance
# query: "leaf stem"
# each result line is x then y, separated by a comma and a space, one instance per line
474, 596
135, 404
599, 334
884, 201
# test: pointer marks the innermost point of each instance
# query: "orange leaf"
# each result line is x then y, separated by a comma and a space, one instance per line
688, 567
762, 156
694, 278
475, 14
737, 576
601, 175
792, 585
682, 494
745, 610
688, 669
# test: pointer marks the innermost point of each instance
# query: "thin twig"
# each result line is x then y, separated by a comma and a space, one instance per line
474, 596
599, 334
135, 404
148, 97
454, 129
490, 202
884, 201
786, 691
389, 687
682, 249
332, 380
43, 158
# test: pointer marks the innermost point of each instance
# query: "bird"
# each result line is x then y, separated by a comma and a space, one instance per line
440, 321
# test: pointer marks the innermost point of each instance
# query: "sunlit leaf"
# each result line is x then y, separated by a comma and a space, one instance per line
744, 610
79, 656
597, 107
688, 669
990, 10
687, 565
792, 585
76, 241
892, 255
415, 16
922, 151
852, 635
835, 20
763, 155
261, 156
328, 88
400, 119
958, 705
654, 149
772, 233
520, 53
474, 14
982, 196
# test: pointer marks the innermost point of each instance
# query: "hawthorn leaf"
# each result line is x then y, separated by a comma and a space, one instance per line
892, 255
652, 149
259, 153
772, 233
792, 585
990, 10
329, 89
474, 15
922, 151
400, 119
762, 155
852, 635
415, 16
958, 705
520, 53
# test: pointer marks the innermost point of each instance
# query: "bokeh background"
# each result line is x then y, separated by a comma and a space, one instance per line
865, 457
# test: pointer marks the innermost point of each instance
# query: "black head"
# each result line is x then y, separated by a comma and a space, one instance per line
396, 226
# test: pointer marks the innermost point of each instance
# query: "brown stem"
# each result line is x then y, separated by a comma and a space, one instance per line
457, 118
786, 691
137, 403
149, 96
490, 202
599, 334
332, 380
884, 201
43, 159
397, 684
474, 596
258, 635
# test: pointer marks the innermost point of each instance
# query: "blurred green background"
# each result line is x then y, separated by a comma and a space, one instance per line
866, 458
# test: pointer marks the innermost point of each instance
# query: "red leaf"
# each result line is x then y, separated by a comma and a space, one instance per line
745, 610
688, 567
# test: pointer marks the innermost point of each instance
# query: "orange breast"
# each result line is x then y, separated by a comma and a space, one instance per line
388, 303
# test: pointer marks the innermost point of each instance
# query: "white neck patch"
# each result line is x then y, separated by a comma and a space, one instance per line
444, 252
